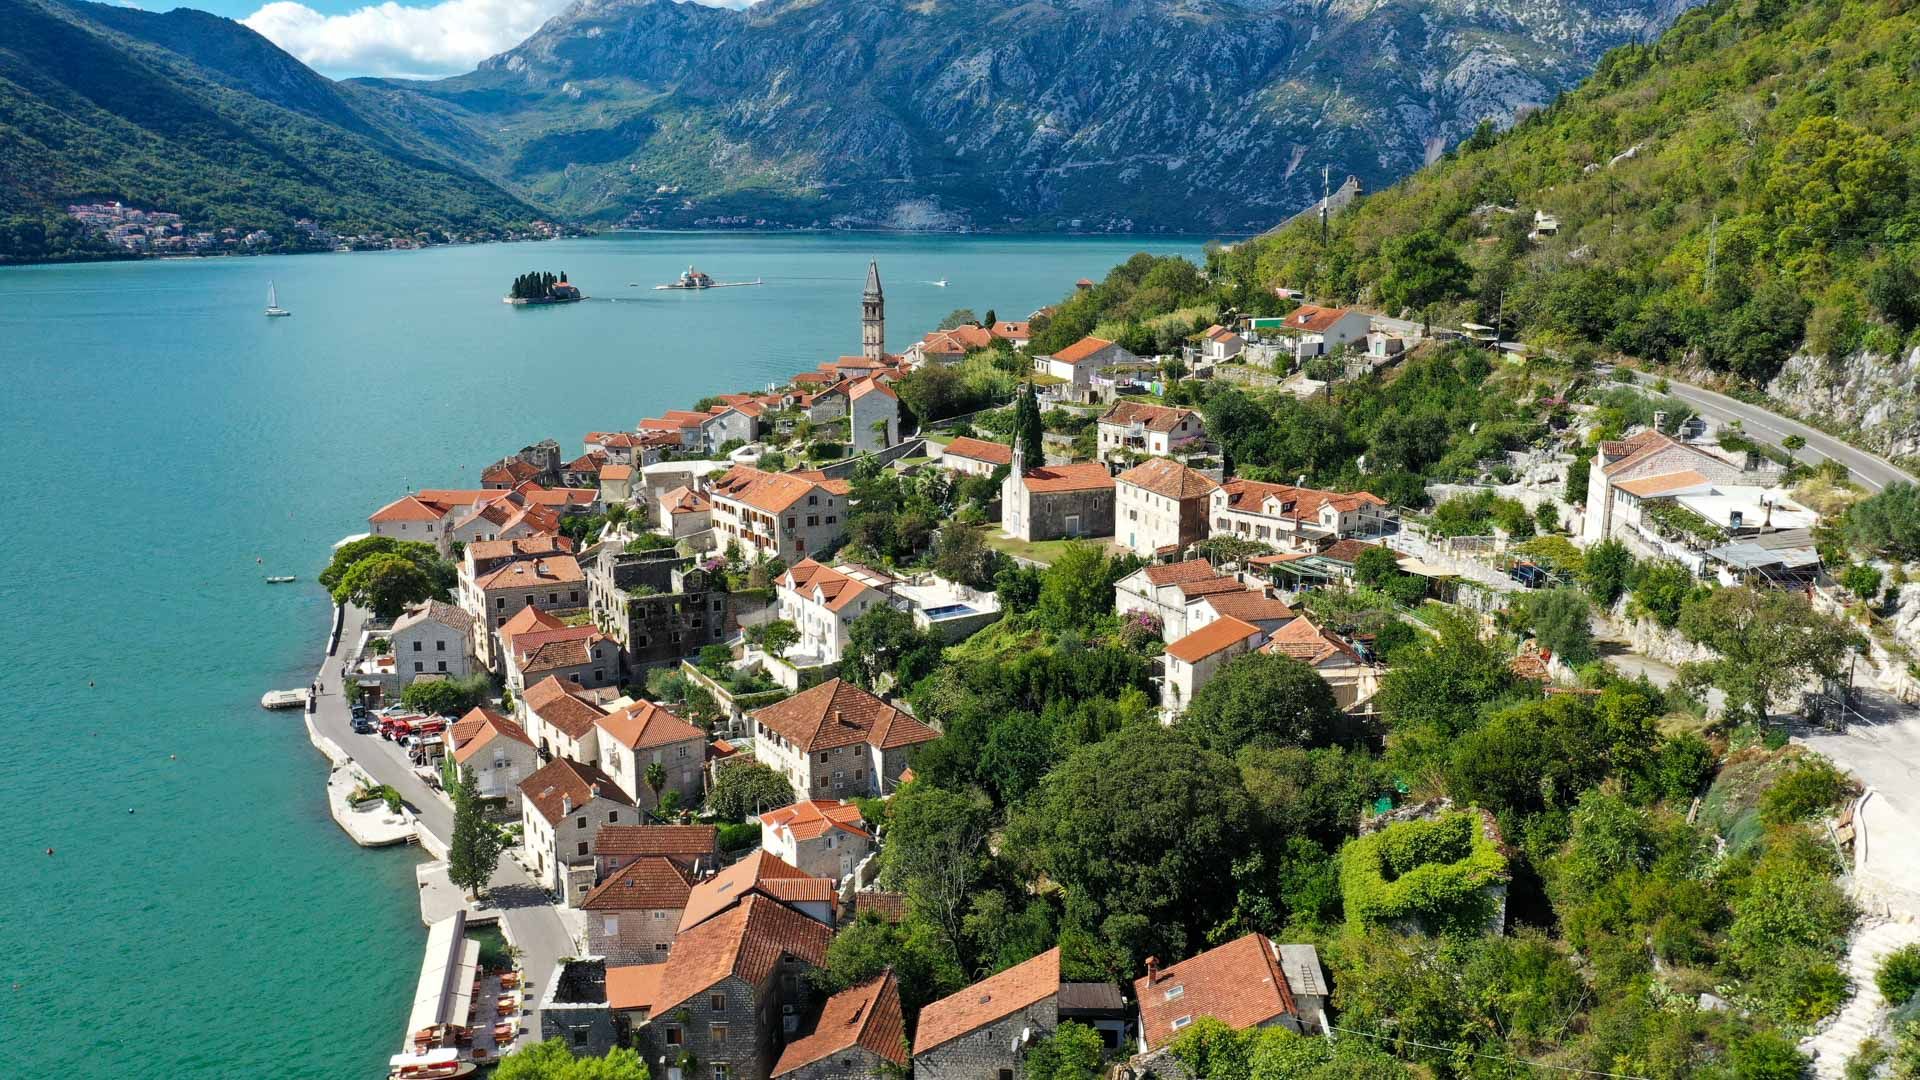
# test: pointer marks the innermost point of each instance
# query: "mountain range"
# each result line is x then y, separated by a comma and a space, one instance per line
1206, 115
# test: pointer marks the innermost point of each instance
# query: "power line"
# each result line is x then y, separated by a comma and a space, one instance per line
1494, 1057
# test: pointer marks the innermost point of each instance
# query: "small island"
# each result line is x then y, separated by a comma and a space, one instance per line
541, 287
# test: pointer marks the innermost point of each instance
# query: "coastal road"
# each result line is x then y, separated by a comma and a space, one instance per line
532, 922
1764, 425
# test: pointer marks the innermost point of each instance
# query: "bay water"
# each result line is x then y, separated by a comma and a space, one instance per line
176, 902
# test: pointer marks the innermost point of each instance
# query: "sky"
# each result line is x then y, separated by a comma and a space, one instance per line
417, 39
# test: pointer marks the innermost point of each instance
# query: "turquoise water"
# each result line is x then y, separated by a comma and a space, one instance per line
171, 447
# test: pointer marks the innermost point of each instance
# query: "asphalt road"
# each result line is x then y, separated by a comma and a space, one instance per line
531, 921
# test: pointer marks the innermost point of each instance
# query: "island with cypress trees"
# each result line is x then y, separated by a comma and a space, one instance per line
542, 287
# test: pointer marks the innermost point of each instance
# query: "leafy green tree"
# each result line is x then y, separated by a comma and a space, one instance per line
553, 1059
748, 788
956, 318
1862, 580
1811, 787
387, 585
1077, 590
474, 852
1559, 620
936, 851
1422, 268
1769, 642
1609, 566
774, 637
1661, 588
1442, 684
1899, 975
1140, 824
1374, 566
885, 642
1071, 1052
1317, 794
1887, 523
446, 697
962, 555
923, 964
1263, 699
656, 780
346, 555
1017, 586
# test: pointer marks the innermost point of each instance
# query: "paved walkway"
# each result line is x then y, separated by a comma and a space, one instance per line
530, 920
1881, 748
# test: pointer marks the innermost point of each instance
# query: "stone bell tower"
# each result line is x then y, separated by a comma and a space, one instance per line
873, 316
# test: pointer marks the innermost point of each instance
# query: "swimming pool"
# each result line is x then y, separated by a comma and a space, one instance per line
949, 611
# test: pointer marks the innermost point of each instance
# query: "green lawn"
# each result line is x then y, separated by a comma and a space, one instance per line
1042, 551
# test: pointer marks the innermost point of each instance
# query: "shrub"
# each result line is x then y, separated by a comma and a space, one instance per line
1899, 975
1862, 580
1809, 787
1434, 872
739, 837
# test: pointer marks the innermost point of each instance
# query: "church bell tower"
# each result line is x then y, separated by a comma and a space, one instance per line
873, 316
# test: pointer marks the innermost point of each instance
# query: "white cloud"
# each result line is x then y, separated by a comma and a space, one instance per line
447, 38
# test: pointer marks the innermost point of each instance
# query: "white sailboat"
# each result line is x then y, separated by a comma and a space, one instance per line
274, 310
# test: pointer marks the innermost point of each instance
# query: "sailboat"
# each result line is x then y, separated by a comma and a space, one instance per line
274, 310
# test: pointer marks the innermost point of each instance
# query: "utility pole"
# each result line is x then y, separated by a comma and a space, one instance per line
1613, 211
1499, 316
1713, 249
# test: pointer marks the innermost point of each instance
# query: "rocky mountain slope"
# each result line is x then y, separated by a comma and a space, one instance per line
198, 115
1178, 114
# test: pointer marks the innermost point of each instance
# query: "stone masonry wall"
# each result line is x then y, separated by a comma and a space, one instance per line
982, 1053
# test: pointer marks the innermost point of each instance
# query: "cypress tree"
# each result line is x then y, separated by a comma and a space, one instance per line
1027, 429
475, 850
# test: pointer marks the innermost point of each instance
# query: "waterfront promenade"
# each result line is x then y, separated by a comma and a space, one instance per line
528, 916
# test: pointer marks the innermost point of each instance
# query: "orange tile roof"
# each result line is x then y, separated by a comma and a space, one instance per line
746, 942
548, 690
992, 453
1248, 605
838, 713
669, 840
766, 491
1215, 637
408, 508
866, 1016
643, 725
1081, 350
1307, 643
685, 500
1168, 478
488, 550
1648, 486
1313, 319
1346, 551
726, 888
533, 573
564, 711
870, 386
1248, 496
1012, 330
828, 585
988, 1000
481, 726
618, 471
1152, 417
653, 883
1176, 573
633, 986
565, 779
1240, 984
1081, 476
1208, 586
807, 820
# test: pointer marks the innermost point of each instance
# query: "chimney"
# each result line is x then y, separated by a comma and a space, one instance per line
566, 805
839, 717
1153, 970
593, 790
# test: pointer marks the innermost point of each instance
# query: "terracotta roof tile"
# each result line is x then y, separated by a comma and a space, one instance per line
1208, 586
545, 572
1168, 478
648, 884
838, 713
1215, 637
633, 986
1649, 486
1082, 476
1249, 605
866, 1016
408, 508
1081, 350
1307, 643
480, 727
815, 817
1176, 573
566, 711
1240, 984
644, 725
992, 453
746, 942
681, 841
1313, 319
563, 778
770, 492
988, 1000
726, 888
1152, 417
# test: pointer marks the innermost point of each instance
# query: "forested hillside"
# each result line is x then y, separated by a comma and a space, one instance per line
1742, 184
197, 115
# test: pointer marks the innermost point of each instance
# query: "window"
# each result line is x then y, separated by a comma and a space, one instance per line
831, 518
583, 848
416, 646
659, 915
500, 602
579, 1035
719, 605
580, 822
1181, 1022
823, 757
443, 664
683, 752
597, 676
440, 645
718, 1002
813, 519
419, 666
613, 817
1177, 992
610, 925
673, 1036
553, 598
1006, 1074
574, 595
721, 1070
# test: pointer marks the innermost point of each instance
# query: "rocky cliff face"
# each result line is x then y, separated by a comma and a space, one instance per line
1180, 114
1876, 396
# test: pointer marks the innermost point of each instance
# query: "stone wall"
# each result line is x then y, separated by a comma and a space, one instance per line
1047, 513
1656, 642
855, 1063
751, 1014
636, 935
981, 1054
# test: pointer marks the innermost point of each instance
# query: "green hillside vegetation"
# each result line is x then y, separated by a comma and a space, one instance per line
1742, 184
97, 104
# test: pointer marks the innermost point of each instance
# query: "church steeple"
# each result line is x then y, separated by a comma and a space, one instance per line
873, 315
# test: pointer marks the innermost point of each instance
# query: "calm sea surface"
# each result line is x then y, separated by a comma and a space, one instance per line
201, 915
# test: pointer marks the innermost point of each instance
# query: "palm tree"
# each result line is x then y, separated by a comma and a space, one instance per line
656, 778
880, 429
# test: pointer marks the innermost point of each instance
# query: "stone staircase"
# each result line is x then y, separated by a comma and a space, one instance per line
1865, 1015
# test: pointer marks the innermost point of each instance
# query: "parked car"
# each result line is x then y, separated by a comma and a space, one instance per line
363, 726
359, 710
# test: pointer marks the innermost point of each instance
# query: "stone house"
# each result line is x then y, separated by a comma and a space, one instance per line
1646, 466
658, 605
1258, 606
1193, 660
827, 404
434, 638
1016, 334
875, 413
584, 471
860, 1033
561, 722
1077, 364
836, 740
985, 1030
633, 915
511, 472
695, 849
497, 751
1160, 507
1296, 518
1139, 429
733, 990
485, 556
550, 583
826, 838
1353, 679
969, 456
510, 516
1249, 982
1167, 590
777, 514
578, 654
642, 735
574, 1007
762, 874
684, 512
616, 483
1055, 501
412, 518
562, 806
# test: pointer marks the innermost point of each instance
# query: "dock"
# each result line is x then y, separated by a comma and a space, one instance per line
369, 823
283, 699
